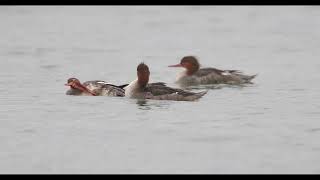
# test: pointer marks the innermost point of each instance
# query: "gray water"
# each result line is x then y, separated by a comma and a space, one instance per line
271, 126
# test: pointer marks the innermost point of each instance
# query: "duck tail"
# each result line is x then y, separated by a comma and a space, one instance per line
253, 76
197, 95
249, 78
202, 93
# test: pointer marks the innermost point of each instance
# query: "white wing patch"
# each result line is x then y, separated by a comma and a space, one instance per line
101, 82
226, 73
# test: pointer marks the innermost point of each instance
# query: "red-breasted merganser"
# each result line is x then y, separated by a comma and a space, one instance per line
94, 88
141, 89
193, 75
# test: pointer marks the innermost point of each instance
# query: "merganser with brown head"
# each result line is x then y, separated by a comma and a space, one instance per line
141, 89
194, 75
94, 88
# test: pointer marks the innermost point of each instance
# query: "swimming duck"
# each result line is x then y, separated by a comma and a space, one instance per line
141, 89
194, 75
94, 88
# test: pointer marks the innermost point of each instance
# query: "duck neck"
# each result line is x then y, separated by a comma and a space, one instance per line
74, 91
191, 69
82, 88
143, 79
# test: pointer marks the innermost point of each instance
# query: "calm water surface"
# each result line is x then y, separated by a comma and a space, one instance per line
271, 126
